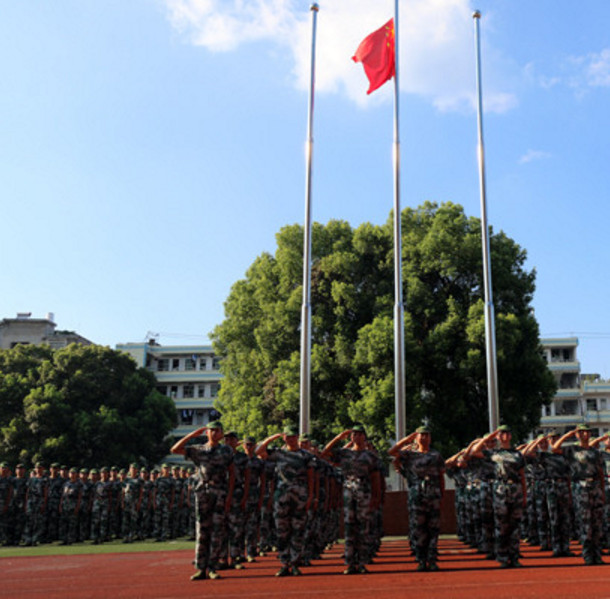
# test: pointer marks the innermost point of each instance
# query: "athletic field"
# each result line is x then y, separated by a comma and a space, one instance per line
165, 574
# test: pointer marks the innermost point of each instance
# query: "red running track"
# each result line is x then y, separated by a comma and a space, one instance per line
164, 575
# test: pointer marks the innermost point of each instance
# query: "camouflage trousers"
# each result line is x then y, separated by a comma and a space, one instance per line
486, 507
424, 521
162, 515
542, 513
529, 518
68, 525
508, 510
209, 527
99, 522
34, 521
129, 526
236, 530
252, 524
267, 537
5, 514
52, 521
290, 519
357, 522
589, 500
558, 503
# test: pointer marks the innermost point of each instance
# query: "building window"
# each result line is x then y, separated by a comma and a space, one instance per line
203, 363
185, 416
216, 364
188, 391
591, 405
214, 387
200, 390
162, 389
189, 363
176, 364
173, 393
163, 364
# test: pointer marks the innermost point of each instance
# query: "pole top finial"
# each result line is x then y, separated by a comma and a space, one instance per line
315, 7
476, 14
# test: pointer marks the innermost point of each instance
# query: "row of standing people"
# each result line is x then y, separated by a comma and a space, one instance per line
73, 505
546, 492
309, 490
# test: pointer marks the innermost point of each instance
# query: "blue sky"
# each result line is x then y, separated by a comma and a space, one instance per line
151, 149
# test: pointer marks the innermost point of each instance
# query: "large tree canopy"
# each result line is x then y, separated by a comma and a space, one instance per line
352, 359
80, 405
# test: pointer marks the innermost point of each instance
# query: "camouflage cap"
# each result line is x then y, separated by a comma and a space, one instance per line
504, 428
38, 465
114, 469
250, 440
305, 437
20, 465
583, 427
73, 469
84, 471
290, 430
232, 434
215, 424
122, 471
94, 471
144, 469
358, 428
105, 469
164, 465
3, 465
423, 430
55, 465
133, 465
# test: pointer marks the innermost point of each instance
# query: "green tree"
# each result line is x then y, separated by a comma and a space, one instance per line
352, 359
80, 405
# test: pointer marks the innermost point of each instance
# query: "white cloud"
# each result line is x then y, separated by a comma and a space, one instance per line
436, 43
598, 69
532, 155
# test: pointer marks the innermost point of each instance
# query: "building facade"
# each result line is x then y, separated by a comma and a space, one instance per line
189, 374
580, 398
25, 330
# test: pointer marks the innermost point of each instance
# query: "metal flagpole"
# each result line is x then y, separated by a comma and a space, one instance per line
305, 386
399, 329
490, 328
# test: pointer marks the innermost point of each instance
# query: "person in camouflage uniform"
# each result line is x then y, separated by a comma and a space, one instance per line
455, 468
69, 507
163, 500
424, 470
100, 508
146, 511
213, 494
56, 483
293, 496
178, 502
17, 508
6, 497
115, 487
256, 467
604, 441
267, 539
558, 493
84, 513
131, 501
509, 494
37, 489
361, 494
586, 466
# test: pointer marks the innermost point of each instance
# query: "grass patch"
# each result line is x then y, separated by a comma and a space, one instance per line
87, 548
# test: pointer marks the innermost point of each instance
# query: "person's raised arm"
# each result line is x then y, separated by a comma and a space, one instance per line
261, 450
395, 449
556, 447
329, 446
179, 446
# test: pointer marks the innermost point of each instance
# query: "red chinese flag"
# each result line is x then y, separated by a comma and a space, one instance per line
376, 53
